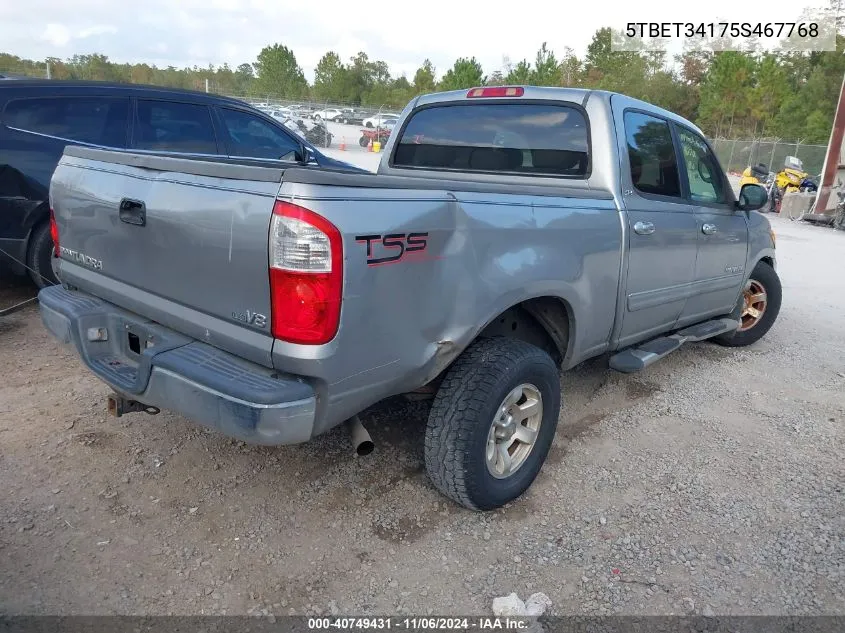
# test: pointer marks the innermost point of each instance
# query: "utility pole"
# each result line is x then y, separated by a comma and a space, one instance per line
48, 71
206, 84
833, 161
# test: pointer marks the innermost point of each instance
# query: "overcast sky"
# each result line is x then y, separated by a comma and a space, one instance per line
401, 32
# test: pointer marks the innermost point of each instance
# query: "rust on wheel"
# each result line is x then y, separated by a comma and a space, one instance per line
754, 305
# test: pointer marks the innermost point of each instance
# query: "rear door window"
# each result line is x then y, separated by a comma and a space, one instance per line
516, 138
651, 152
250, 136
95, 120
172, 126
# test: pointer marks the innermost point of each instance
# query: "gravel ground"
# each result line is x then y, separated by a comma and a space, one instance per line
711, 483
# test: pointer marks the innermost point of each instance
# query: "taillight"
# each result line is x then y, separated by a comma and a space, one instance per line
306, 275
54, 233
497, 91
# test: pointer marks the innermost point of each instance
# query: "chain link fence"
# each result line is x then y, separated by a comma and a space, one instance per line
735, 154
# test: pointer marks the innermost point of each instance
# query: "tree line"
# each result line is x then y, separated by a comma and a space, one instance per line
789, 96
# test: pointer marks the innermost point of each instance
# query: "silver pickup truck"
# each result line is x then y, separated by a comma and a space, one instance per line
510, 233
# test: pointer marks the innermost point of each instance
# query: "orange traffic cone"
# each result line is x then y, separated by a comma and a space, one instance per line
370, 146
342, 143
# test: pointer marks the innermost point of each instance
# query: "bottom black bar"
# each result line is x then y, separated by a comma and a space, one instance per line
297, 624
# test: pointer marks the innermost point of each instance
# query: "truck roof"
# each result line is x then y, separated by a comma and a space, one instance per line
577, 95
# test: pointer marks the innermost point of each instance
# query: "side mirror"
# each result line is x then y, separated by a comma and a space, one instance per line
752, 197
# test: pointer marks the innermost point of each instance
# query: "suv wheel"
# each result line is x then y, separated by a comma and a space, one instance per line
39, 257
492, 422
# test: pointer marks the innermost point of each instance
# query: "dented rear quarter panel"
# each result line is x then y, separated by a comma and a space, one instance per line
402, 323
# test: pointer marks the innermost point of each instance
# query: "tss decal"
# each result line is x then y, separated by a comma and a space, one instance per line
393, 247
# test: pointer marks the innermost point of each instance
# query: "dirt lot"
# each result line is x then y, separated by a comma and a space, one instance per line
713, 482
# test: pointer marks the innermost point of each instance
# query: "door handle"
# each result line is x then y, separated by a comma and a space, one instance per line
708, 229
644, 228
133, 212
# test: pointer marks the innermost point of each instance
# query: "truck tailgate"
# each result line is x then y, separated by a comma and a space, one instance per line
182, 242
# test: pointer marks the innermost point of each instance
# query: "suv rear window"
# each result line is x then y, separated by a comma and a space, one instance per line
95, 120
514, 138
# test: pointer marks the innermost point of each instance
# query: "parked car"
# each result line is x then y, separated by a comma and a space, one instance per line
389, 124
509, 233
328, 114
351, 116
378, 119
280, 114
40, 117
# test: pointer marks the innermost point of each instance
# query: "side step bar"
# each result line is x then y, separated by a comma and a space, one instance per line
637, 358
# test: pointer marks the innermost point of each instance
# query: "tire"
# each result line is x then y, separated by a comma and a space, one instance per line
39, 257
363, 141
469, 399
763, 276
368, 124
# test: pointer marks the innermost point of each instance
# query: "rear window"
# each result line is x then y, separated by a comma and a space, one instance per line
95, 120
510, 138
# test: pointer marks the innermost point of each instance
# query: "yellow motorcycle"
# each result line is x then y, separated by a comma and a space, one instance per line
755, 175
792, 177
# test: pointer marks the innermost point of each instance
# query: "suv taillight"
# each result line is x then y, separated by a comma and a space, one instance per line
54, 234
306, 275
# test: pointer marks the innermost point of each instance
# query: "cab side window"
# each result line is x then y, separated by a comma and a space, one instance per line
654, 166
703, 171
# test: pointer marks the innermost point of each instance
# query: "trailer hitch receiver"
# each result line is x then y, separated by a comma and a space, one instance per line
118, 406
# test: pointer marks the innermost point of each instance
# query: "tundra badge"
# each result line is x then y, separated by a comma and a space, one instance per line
81, 258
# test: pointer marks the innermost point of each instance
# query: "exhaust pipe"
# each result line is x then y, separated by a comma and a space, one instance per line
362, 443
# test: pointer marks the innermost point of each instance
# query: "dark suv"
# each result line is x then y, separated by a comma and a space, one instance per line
40, 117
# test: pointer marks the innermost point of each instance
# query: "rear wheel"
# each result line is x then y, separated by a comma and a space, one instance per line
363, 141
492, 422
757, 309
39, 257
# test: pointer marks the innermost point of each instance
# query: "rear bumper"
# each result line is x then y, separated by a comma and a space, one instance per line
147, 362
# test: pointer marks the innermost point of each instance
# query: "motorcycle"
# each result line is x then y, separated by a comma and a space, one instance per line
754, 175
760, 174
792, 178
317, 134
